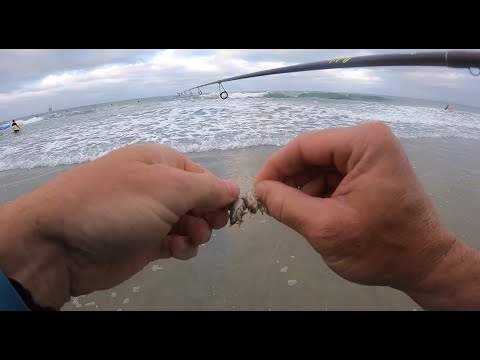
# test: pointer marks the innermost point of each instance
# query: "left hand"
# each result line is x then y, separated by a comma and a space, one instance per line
100, 223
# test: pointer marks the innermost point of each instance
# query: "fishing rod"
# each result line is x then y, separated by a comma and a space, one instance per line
453, 59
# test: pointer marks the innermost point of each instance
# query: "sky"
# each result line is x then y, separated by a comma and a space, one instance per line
32, 80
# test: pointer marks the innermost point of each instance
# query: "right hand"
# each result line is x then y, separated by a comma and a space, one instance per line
352, 193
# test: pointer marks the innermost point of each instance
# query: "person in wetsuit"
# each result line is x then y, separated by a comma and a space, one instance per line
15, 126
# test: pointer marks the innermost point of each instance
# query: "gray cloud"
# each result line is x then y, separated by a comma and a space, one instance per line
19, 66
33, 80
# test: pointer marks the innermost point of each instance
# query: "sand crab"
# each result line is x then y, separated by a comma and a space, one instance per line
245, 203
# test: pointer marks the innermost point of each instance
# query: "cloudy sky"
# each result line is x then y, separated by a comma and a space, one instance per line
33, 80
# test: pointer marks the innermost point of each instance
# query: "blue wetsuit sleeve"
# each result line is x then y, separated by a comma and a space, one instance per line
10, 299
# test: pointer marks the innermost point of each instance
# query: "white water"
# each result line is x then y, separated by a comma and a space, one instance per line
202, 123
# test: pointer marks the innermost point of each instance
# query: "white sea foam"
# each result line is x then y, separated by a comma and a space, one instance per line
203, 123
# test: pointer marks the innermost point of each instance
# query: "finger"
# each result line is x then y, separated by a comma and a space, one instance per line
183, 162
323, 185
331, 148
293, 207
216, 218
290, 181
303, 177
315, 187
333, 180
148, 153
190, 165
195, 228
180, 247
206, 212
205, 190
154, 153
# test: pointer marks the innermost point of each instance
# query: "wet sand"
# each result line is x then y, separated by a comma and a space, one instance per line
264, 265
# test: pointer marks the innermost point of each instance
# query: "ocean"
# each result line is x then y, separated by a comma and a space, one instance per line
206, 122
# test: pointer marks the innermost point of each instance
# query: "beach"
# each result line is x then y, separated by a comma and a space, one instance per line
263, 264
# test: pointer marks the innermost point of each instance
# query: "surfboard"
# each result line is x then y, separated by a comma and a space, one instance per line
7, 126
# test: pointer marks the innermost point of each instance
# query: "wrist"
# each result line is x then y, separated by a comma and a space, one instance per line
453, 283
28, 256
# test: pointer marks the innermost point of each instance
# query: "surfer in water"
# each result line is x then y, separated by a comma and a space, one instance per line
449, 108
15, 126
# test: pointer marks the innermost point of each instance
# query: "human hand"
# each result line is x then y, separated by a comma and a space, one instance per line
352, 193
100, 223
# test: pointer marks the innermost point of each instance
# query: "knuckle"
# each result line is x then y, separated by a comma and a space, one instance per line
379, 129
381, 135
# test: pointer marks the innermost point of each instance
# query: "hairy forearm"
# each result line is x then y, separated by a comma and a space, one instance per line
29, 257
454, 283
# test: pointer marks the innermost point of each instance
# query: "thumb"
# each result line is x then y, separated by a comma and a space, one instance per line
208, 191
293, 207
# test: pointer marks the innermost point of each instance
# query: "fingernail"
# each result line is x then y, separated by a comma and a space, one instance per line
233, 187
